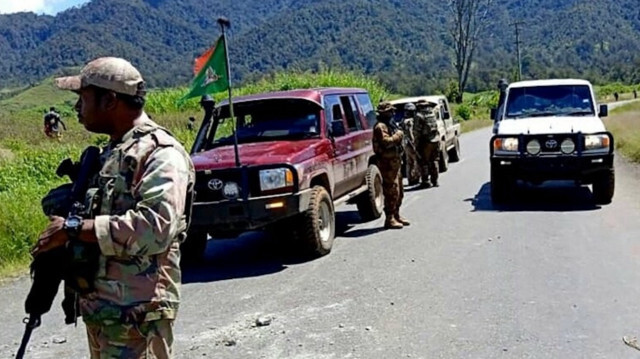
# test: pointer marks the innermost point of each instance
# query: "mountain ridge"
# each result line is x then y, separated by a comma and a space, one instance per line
403, 43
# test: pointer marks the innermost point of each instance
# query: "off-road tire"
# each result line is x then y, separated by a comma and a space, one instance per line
371, 203
604, 186
317, 225
193, 248
501, 185
454, 153
443, 163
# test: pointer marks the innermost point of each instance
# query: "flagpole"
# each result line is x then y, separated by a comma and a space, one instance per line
224, 22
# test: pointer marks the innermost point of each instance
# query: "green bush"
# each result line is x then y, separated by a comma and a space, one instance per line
464, 111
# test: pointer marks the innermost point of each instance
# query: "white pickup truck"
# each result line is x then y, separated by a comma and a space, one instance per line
551, 130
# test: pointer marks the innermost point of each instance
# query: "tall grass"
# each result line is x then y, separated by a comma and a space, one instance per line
166, 101
624, 124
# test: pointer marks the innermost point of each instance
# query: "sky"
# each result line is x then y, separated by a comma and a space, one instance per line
50, 7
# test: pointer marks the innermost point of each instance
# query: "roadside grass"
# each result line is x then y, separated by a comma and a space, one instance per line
624, 124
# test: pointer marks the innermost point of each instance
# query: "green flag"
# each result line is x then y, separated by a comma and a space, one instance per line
211, 72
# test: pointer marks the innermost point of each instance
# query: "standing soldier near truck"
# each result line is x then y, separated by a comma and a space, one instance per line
139, 214
425, 132
387, 145
412, 167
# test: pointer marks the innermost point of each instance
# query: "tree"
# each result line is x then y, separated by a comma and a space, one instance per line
468, 21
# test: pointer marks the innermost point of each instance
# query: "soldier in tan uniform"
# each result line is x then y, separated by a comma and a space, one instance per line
387, 145
138, 216
412, 166
425, 132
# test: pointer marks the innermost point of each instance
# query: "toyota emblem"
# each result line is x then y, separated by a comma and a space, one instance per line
551, 144
215, 184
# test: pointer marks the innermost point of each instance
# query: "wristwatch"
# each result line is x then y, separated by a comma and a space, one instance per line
73, 225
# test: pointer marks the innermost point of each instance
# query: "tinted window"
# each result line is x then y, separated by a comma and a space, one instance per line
567, 100
351, 113
367, 108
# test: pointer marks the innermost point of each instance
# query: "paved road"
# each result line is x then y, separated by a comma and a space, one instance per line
552, 276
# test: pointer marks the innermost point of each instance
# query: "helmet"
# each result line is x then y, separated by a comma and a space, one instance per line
52, 108
410, 107
385, 107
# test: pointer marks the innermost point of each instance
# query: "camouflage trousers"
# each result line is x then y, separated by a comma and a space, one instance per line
148, 340
412, 166
430, 154
391, 184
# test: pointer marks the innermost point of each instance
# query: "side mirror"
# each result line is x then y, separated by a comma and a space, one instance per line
337, 128
604, 111
493, 113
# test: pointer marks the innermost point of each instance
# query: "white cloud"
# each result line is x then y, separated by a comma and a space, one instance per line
37, 6
9, 6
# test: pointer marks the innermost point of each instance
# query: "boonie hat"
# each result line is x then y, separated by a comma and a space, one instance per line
111, 73
385, 106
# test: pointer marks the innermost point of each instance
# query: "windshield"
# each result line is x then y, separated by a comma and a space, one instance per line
267, 120
567, 100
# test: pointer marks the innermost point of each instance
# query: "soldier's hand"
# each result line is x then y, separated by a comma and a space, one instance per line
399, 135
52, 237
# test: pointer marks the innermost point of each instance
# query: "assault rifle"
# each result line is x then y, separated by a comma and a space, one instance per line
73, 264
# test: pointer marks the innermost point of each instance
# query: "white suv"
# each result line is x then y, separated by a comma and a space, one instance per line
551, 130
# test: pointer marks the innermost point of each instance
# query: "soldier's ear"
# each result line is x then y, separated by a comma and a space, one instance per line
109, 100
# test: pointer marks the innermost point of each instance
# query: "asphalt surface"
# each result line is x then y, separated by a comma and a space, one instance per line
550, 276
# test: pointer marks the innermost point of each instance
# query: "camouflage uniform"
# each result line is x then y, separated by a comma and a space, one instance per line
412, 166
387, 145
139, 216
425, 132
139, 210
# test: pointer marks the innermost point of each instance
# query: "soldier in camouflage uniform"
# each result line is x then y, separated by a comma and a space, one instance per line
425, 132
139, 216
412, 166
387, 145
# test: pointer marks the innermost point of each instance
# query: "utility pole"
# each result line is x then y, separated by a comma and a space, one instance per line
516, 24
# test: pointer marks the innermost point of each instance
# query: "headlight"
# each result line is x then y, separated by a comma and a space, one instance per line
533, 147
508, 144
597, 142
275, 179
567, 146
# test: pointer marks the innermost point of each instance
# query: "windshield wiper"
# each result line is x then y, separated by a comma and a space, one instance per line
579, 113
542, 114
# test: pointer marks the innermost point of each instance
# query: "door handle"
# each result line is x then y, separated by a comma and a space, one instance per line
367, 142
349, 147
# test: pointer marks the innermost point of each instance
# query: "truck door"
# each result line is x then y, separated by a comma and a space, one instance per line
447, 118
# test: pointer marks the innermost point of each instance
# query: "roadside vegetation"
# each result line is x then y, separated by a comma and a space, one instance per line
624, 124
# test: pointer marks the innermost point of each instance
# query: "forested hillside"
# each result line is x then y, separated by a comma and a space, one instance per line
403, 42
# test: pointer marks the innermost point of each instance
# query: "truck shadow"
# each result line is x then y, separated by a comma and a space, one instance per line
555, 196
257, 253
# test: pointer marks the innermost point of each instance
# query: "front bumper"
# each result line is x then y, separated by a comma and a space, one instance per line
232, 217
553, 168
580, 165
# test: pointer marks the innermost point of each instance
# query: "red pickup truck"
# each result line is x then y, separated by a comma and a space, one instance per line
300, 153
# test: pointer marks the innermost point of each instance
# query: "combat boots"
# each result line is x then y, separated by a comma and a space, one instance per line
402, 220
392, 223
